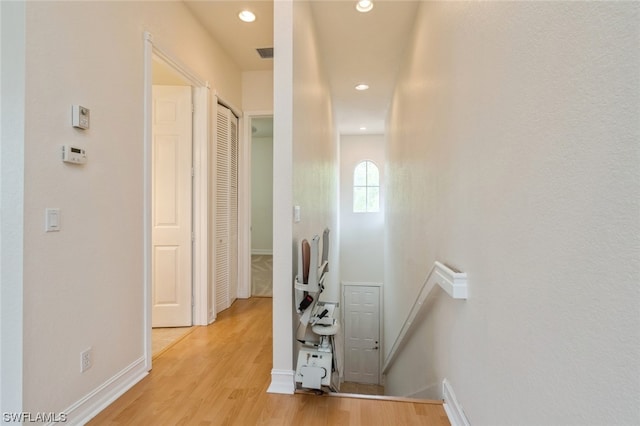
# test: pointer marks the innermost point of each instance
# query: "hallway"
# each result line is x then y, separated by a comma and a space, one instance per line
218, 375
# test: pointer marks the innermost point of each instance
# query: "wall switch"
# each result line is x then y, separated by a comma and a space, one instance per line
86, 360
296, 214
52, 220
80, 117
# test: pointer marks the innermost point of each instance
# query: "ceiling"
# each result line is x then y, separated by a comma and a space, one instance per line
239, 39
355, 47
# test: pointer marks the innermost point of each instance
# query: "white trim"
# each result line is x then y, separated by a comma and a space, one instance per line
201, 204
261, 252
174, 63
282, 381
93, 403
453, 282
146, 222
452, 407
222, 101
363, 284
244, 206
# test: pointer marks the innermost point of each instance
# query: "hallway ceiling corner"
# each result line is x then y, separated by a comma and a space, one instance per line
239, 39
355, 48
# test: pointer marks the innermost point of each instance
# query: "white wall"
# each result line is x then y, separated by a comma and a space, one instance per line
305, 169
361, 234
262, 195
315, 147
12, 63
513, 156
83, 286
257, 90
164, 75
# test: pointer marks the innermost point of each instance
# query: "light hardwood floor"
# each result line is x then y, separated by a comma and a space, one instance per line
218, 375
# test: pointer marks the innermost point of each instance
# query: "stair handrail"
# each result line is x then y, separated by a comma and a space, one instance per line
451, 280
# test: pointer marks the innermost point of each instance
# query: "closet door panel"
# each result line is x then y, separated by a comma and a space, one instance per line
226, 210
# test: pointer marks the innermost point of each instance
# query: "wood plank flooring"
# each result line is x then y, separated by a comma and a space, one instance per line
218, 375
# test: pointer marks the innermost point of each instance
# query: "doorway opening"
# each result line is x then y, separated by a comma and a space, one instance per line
176, 165
261, 206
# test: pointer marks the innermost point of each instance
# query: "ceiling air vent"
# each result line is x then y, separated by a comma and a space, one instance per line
265, 52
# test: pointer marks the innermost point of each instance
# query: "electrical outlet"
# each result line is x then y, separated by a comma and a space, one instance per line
86, 360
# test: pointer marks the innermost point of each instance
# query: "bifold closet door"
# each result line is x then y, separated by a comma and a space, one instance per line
226, 210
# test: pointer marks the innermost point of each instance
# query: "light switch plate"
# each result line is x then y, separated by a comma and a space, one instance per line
52, 220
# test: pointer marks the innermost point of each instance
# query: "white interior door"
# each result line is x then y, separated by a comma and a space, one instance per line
171, 206
362, 334
226, 210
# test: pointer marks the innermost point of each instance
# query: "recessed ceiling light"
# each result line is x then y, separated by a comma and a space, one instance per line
362, 86
364, 6
363, 128
247, 16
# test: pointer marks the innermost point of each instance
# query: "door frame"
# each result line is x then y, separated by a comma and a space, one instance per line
244, 202
200, 207
343, 312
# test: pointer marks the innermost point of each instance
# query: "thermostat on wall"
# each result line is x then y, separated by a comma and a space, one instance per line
80, 117
73, 154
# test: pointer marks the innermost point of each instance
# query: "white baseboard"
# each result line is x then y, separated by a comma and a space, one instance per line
262, 252
88, 407
452, 406
282, 381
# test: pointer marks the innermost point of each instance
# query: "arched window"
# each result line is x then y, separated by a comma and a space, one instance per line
366, 188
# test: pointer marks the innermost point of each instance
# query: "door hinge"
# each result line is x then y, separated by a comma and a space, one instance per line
193, 236
193, 172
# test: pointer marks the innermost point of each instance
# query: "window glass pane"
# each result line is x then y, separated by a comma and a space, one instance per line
360, 174
373, 178
359, 199
373, 199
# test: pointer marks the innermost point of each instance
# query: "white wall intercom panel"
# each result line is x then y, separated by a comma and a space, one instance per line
80, 117
73, 154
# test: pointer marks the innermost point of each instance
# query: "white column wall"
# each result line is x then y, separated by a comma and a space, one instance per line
305, 170
282, 372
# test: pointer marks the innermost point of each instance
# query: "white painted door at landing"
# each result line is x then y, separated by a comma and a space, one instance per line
171, 206
362, 333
